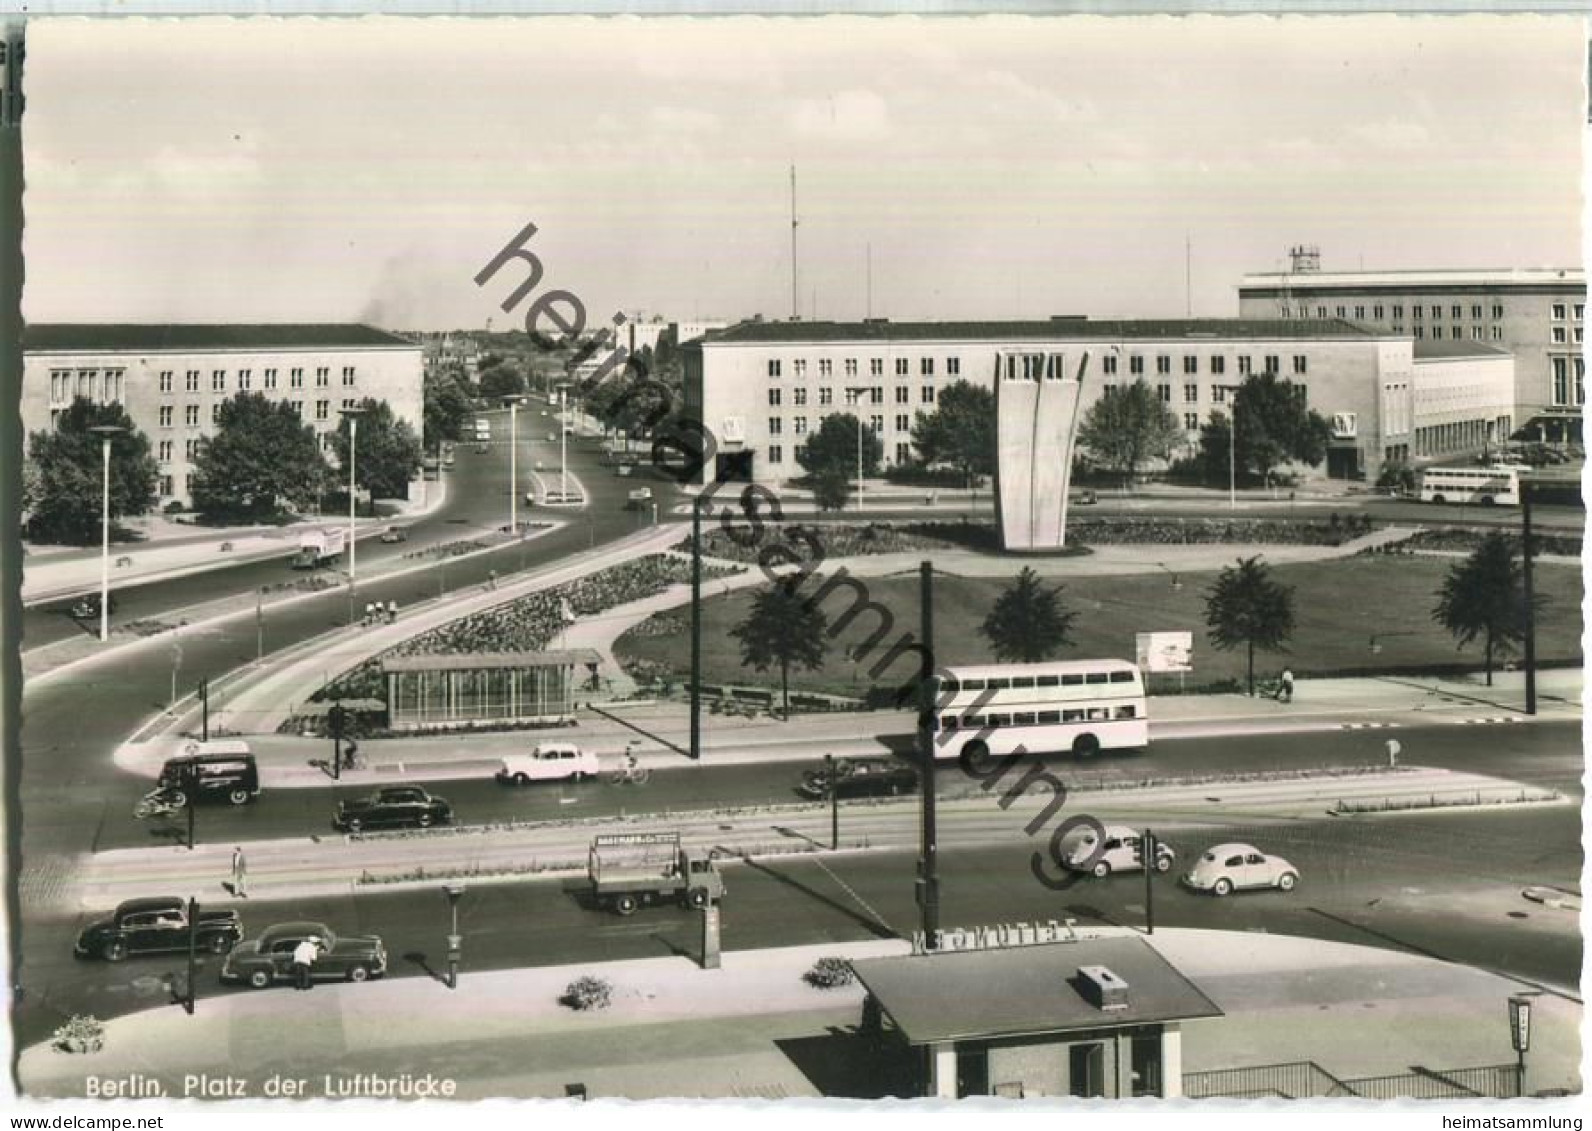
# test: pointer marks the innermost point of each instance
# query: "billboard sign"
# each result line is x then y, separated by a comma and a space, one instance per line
1165, 651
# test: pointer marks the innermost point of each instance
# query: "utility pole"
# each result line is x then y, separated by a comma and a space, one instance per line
193, 952
259, 625
928, 860
834, 802
795, 302
204, 710
696, 629
1529, 592
1150, 850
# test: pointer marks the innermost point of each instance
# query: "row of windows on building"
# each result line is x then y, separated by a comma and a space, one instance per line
1563, 386
875, 395
165, 449
776, 452
1270, 363
99, 386
1218, 394
190, 413
1559, 311
218, 379
826, 367
903, 423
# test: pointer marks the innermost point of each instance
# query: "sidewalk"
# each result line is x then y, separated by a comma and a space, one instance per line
753, 1028
58, 573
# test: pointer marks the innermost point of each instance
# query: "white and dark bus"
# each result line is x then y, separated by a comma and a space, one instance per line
1084, 706
1484, 485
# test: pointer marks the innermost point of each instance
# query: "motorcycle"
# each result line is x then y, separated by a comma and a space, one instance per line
157, 803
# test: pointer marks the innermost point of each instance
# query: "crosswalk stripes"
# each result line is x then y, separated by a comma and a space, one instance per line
1491, 720
1368, 726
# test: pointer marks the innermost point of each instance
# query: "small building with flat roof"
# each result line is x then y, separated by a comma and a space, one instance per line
1090, 1018
485, 689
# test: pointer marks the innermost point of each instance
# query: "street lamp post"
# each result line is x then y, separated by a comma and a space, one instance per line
857, 392
563, 446
351, 415
1232, 457
105, 432
514, 469
455, 941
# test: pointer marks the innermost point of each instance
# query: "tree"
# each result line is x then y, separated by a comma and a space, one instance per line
782, 628
960, 431
261, 457
1029, 622
501, 379
833, 448
446, 403
68, 474
1275, 426
386, 452
1247, 608
831, 491
1129, 426
1485, 596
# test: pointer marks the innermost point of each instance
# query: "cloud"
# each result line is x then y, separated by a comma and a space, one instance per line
680, 119
1390, 133
847, 115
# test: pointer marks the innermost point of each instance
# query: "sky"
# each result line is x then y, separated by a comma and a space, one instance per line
334, 170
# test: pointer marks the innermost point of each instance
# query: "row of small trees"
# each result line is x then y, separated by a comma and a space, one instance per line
1245, 608
260, 458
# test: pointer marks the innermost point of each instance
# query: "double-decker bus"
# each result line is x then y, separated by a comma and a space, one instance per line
1084, 706
1484, 485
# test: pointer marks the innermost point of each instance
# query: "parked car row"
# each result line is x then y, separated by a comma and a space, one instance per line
160, 925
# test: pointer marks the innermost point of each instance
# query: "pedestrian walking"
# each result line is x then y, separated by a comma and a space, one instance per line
1285, 691
240, 873
304, 956
392, 612
491, 579
370, 613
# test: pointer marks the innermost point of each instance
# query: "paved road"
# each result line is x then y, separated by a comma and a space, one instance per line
1545, 754
477, 504
1387, 881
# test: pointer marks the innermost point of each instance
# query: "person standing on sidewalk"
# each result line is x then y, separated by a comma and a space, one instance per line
392, 612
1285, 688
240, 873
304, 956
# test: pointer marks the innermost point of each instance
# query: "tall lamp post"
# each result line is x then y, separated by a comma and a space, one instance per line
105, 432
514, 400
563, 445
857, 391
352, 415
455, 941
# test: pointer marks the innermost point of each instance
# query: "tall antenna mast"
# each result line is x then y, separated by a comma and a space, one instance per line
795, 310
870, 282
1188, 274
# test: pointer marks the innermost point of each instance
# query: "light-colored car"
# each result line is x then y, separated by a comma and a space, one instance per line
1229, 867
550, 761
1120, 853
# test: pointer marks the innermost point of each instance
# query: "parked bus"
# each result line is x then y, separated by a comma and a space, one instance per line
1084, 706
1484, 485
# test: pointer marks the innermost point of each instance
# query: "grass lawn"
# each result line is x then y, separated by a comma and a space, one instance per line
1338, 606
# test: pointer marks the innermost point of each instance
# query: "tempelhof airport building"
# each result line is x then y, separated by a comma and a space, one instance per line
173, 379
762, 388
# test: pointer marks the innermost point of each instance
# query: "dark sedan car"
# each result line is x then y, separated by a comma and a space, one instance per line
269, 958
879, 777
87, 607
156, 925
396, 807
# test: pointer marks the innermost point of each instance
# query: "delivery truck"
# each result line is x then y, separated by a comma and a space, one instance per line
627, 870
319, 547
